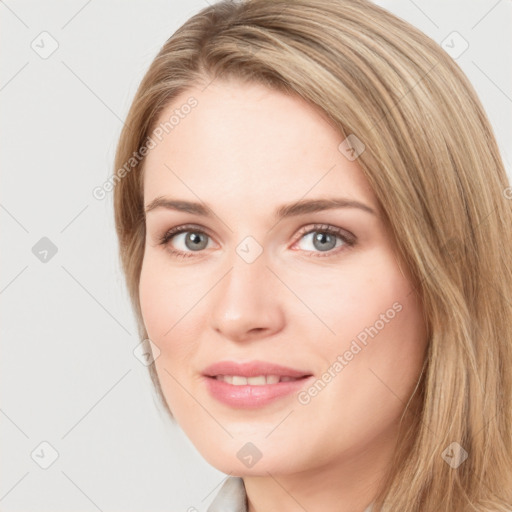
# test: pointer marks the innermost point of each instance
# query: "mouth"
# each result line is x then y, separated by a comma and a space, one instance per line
252, 384
235, 372
258, 380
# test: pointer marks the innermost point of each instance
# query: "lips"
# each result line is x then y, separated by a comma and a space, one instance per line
253, 384
253, 369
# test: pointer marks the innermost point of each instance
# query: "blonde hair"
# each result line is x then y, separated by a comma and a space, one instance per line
433, 162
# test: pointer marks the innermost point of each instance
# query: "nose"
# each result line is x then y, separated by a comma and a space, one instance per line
247, 303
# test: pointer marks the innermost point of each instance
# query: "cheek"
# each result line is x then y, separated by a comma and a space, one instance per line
164, 309
162, 304
355, 296
152, 299
372, 367
399, 348
387, 355
173, 313
375, 323
164, 295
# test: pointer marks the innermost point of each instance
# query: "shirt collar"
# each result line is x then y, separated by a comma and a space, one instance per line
231, 497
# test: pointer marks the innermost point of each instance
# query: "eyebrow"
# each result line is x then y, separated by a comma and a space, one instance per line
287, 210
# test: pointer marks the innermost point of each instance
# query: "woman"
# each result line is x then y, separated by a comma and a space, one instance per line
369, 374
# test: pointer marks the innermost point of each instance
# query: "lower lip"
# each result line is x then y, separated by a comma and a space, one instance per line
248, 396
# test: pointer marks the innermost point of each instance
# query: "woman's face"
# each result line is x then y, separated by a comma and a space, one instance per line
257, 280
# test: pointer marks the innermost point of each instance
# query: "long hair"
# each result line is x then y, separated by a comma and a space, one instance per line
432, 160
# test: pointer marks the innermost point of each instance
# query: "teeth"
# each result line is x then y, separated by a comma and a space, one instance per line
260, 380
257, 381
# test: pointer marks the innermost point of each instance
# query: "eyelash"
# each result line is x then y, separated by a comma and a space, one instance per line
349, 240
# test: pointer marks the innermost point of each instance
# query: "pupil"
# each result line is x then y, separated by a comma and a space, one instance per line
195, 239
321, 237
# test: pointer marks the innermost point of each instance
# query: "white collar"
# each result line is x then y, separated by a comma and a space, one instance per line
231, 497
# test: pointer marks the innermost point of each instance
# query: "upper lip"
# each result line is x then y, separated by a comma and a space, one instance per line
252, 369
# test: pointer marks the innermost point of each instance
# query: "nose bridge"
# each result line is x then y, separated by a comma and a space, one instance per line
246, 299
245, 283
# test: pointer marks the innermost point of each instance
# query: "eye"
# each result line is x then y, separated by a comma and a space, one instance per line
188, 237
324, 238
321, 238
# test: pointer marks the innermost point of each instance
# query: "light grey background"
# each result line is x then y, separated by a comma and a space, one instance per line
69, 376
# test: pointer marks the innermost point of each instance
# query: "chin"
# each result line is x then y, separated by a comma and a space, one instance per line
245, 459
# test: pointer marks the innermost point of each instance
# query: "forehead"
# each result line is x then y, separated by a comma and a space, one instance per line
248, 143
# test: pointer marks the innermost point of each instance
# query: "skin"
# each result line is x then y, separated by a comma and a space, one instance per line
245, 150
